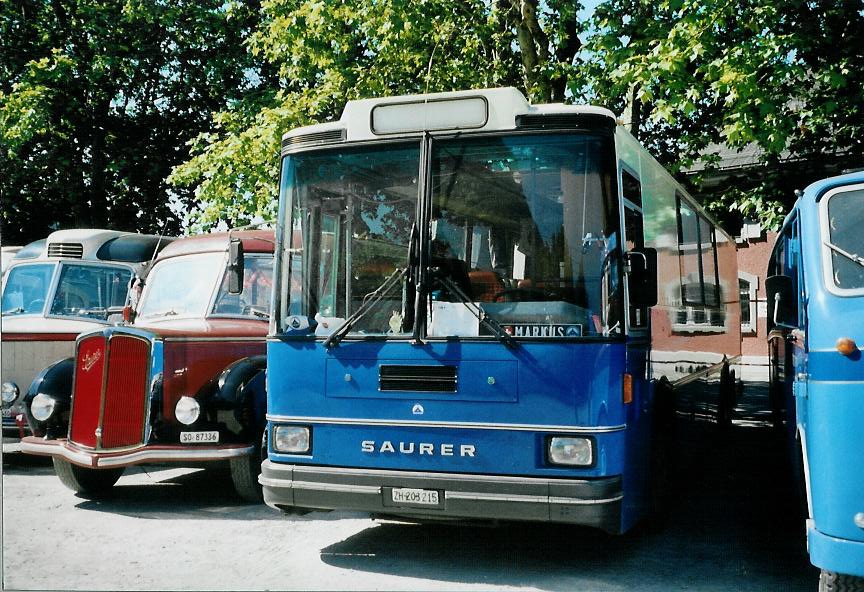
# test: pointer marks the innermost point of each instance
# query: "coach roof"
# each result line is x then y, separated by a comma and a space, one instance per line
254, 241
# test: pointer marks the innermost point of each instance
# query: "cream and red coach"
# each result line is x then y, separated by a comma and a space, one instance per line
53, 290
183, 383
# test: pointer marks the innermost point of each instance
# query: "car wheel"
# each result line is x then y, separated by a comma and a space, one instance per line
244, 474
84, 481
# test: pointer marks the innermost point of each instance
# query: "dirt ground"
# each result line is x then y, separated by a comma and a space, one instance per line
731, 526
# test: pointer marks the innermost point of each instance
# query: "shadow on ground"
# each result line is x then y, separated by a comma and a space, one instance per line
732, 524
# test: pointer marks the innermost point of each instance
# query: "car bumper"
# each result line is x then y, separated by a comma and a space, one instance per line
62, 448
838, 555
588, 502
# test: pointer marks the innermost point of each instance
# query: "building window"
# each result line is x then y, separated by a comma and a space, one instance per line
747, 287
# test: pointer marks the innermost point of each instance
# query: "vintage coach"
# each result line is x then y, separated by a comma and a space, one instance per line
183, 383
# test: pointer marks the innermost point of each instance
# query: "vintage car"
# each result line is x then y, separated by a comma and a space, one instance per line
183, 383
54, 289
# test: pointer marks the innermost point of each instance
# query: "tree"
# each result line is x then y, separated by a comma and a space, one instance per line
98, 100
700, 74
330, 52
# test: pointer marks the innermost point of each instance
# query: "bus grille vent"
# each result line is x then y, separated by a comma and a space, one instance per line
419, 379
66, 250
326, 137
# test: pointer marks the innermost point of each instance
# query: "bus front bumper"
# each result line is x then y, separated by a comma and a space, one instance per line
832, 554
587, 502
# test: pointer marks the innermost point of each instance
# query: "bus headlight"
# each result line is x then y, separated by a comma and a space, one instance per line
187, 410
571, 451
42, 407
9, 392
292, 439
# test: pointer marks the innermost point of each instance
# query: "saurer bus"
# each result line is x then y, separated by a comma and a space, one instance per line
53, 290
815, 291
183, 383
482, 309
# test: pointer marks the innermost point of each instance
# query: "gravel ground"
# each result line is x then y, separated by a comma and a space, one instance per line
731, 526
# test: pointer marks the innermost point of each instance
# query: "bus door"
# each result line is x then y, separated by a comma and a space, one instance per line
638, 342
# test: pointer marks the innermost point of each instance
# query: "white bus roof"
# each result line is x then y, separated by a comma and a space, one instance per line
469, 110
91, 244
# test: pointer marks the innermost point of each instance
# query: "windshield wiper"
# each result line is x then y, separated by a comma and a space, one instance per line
16, 310
478, 312
368, 301
851, 256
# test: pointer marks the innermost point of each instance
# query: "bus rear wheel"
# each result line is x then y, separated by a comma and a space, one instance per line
87, 482
830, 581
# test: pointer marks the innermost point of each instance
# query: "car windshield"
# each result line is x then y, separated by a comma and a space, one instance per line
845, 239
254, 300
181, 286
89, 291
26, 288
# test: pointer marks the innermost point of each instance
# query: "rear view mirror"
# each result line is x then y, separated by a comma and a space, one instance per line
782, 301
642, 271
235, 266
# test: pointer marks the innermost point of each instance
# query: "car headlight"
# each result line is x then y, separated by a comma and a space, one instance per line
187, 410
9, 392
571, 451
292, 439
42, 407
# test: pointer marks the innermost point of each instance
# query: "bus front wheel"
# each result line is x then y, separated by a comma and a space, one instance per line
830, 581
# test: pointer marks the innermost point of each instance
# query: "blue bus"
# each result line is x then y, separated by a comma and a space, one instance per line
482, 309
815, 290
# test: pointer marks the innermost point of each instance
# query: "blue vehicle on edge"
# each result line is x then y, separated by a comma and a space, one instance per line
483, 309
815, 294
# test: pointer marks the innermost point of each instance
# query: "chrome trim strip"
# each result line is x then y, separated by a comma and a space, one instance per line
79, 458
496, 497
209, 339
584, 502
180, 454
304, 469
365, 489
448, 424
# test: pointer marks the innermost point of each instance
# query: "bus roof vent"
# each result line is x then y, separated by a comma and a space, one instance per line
66, 250
592, 121
326, 137
417, 379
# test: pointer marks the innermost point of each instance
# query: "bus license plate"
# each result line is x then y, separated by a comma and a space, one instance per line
424, 497
199, 437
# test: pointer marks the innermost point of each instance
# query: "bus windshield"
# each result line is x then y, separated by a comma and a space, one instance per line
521, 227
26, 288
89, 291
845, 239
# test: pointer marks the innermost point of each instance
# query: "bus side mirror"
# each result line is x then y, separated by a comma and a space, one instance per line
642, 271
235, 266
782, 301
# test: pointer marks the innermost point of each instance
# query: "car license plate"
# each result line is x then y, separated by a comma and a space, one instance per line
424, 497
199, 437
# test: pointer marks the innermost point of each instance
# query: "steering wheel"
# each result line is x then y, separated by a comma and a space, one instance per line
36, 305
